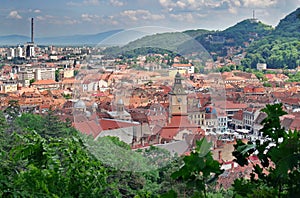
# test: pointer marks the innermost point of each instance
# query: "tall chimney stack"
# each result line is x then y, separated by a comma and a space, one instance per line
31, 30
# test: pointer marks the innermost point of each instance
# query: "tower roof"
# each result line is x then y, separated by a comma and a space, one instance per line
177, 87
79, 105
120, 102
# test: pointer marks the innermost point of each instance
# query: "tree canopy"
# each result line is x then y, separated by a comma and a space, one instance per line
42, 156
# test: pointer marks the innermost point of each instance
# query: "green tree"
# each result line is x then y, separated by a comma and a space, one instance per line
267, 84
56, 167
13, 110
57, 75
199, 169
31, 81
278, 174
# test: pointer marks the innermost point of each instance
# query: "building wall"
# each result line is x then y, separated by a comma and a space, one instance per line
261, 66
68, 73
178, 104
197, 117
124, 134
222, 124
6, 88
172, 73
26, 75
44, 74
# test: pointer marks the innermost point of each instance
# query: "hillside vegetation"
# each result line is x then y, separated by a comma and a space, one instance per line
281, 49
236, 36
42, 156
278, 47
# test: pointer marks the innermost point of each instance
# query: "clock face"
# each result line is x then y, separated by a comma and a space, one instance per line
179, 99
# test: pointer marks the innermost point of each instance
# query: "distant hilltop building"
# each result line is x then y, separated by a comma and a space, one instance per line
261, 66
253, 19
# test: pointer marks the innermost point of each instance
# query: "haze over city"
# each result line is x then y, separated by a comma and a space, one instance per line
69, 17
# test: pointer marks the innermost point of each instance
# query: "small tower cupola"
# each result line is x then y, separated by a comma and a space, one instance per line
178, 79
120, 105
177, 87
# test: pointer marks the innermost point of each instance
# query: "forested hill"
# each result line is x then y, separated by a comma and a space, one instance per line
289, 26
213, 41
169, 42
281, 49
243, 32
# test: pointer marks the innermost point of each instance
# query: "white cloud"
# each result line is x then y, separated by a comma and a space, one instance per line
135, 15
116, 3
71, 3
89, 17
91, 2
86, 17
259, 3
181, 4
232, 10
84, 3
189, 4
65, 21
14, 15
45, 18
37, 11
231, 5
187, 17
96, 19
49, 19
109, 20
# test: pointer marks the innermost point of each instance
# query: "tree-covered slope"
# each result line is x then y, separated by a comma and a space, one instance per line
289, 26
279, 49
246, 30
237, 35
243, 32
169, 42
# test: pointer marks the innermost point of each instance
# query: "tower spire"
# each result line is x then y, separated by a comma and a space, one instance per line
31, 30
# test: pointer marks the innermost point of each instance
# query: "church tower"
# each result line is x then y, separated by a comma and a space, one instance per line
177, 98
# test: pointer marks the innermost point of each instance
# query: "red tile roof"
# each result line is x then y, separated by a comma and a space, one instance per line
108, 124
177, 124
295, 124
181, 65
231, 105
68, 81
44, 82
89, 127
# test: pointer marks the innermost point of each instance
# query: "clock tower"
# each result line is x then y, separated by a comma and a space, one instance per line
177, 98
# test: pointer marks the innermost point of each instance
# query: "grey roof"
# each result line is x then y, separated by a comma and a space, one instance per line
95, 105
120, 102
179, 147
79, 105
261, 116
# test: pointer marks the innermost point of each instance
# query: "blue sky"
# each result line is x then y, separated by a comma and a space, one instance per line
69, 17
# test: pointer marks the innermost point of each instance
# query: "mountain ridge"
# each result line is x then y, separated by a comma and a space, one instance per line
78, 39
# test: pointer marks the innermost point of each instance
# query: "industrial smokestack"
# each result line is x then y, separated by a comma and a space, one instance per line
31, 30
